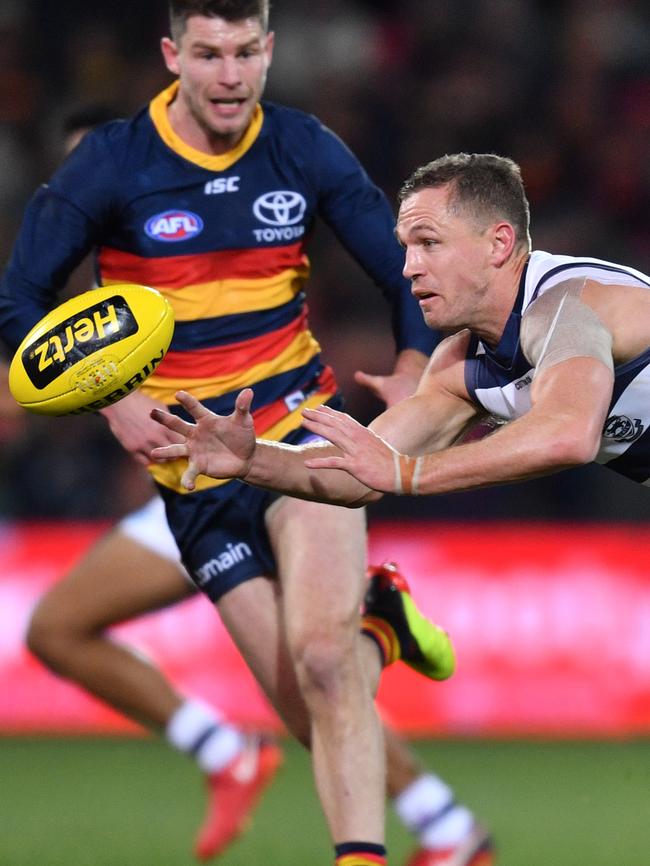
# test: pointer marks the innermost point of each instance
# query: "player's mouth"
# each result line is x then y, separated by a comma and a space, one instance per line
424, 295
227, 107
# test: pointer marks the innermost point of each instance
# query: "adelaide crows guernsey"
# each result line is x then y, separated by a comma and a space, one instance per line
499, 378
223, 238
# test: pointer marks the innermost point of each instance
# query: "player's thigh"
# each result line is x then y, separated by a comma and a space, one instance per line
117, 579
321, 556
251, 612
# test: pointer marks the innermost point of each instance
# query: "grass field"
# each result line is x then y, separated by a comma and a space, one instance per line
122, 802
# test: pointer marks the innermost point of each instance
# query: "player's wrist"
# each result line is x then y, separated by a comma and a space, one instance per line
407, 474
247, 475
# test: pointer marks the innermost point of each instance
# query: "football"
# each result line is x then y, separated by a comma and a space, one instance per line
91, 350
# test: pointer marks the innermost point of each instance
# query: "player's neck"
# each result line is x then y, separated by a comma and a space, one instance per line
500, 300
198, 137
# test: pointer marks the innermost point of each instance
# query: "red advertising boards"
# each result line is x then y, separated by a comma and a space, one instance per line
551, 624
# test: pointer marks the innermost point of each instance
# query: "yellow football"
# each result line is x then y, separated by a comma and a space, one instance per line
91, 350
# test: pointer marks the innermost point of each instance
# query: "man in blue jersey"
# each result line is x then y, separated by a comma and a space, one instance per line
209, 196
556, 346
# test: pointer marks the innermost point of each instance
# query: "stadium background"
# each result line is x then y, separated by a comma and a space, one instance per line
546, 583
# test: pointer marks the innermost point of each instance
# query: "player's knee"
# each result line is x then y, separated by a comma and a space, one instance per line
323, 664
49, 636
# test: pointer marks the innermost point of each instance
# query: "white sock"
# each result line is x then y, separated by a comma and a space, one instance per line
427, 808
199, 730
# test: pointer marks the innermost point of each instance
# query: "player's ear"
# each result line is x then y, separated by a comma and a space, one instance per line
170, 54
504, 239
270, 43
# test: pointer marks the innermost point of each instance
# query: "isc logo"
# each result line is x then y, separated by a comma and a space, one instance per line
172, 226
222, 184
76, 338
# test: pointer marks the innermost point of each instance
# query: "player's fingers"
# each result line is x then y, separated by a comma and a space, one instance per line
317, 424
373, 383
194, 407
324, 414
162, 453
330, 420
325, 463
171, 422
333, 434
188, 479
244, 401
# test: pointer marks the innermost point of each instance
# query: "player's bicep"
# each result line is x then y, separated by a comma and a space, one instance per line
576, 393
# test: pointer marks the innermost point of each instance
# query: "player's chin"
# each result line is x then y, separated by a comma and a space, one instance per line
433, 321
234, 123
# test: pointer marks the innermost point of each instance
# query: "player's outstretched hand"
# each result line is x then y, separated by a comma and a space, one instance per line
389, 389
221, 446
130, 422
366, 456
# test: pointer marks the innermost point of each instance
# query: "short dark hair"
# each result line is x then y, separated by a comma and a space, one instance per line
229, 10
484, 184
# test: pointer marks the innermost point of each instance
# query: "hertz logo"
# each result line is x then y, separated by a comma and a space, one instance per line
78, 337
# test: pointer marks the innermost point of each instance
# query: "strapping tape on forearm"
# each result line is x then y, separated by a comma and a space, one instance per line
407, 474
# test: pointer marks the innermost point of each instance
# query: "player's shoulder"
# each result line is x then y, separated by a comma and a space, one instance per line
446, 366
287, 117
547, 270
120, 135
105, 160
453, 349
300, 127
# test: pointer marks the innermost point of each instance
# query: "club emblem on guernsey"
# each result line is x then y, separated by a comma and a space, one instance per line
623, 429
172, 226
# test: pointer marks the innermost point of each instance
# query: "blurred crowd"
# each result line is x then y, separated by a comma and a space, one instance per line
561, 87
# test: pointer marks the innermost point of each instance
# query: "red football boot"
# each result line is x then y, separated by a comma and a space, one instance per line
476, 849
233, 794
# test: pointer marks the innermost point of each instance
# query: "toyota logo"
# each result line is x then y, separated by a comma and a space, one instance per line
280, 208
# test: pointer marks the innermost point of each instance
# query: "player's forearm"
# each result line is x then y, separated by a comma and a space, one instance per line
515, 452
280, 467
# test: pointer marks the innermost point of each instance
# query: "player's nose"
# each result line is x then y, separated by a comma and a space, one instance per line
229, 72
412, 264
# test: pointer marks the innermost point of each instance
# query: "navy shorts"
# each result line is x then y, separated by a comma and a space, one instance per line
221, 532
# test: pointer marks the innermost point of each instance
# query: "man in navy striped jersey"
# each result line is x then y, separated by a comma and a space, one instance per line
557, 346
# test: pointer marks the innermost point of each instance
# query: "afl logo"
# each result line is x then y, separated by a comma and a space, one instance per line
174, 225
280, 208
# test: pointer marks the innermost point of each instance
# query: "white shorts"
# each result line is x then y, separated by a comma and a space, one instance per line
148, 527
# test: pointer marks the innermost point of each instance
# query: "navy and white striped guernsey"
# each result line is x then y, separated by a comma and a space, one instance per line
499, 378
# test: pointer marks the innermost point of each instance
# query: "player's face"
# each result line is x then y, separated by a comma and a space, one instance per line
446, 259
222, 68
